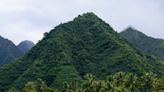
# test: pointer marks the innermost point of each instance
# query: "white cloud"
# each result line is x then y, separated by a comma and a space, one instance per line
23, 31
29, 19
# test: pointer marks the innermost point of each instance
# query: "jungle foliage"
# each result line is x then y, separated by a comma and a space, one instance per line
71, 50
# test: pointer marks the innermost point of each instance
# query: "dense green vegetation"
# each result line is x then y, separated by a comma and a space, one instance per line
8, 51
145, 44
71, 50
118, 82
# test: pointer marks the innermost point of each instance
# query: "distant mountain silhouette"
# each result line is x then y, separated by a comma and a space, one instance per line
8, 51
25, 46
144, 43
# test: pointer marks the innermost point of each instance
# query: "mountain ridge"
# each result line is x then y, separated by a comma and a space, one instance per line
146, 44
70, 50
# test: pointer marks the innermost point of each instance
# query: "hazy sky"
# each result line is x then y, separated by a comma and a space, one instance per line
29, 19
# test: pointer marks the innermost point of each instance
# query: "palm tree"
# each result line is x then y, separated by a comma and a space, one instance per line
110, 84
69, 87
101, 86
149, 82
42, 87
89, 83
37, 86
131, 82
30, 87
13, 90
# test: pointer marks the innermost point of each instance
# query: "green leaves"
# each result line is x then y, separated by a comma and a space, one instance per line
13, 90
37, 86
71, 50
118, 82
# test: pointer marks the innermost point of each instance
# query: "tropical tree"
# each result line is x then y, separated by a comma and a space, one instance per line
13, 89
148, 82
30, 87
131, 82
110, 84
118, 82
89, 84
38, 86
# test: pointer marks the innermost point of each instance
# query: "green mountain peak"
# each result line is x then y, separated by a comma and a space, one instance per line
91, 15
69, 51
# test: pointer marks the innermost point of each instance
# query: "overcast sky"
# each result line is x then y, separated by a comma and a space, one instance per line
29, 19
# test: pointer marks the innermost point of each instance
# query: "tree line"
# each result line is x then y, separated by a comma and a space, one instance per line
118, 82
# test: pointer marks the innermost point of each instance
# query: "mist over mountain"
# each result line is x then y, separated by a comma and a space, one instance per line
144, 43
25, 46
70, 50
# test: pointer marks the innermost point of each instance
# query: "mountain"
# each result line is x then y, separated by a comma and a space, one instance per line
8, 51
25, 46
69, 51
144, 43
